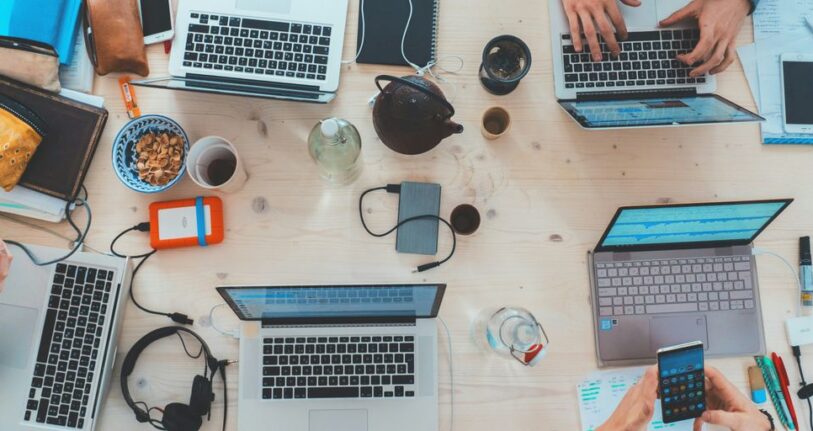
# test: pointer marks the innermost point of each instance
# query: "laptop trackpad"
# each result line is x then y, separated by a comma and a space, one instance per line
669, 331
338, 420
17, 326
269, 6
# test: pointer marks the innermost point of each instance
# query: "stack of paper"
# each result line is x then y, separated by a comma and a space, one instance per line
780, 26
79, 74
601, 393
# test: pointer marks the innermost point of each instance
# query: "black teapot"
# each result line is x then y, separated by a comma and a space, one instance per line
411, 115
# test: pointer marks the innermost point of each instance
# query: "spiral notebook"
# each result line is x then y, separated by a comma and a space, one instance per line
384, 22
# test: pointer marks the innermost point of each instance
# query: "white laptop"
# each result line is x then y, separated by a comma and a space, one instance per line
646, 86
337, 358
59, 327
280, 49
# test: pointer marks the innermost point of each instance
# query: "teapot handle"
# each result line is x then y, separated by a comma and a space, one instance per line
420, 88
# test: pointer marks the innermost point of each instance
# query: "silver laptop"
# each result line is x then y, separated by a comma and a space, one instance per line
280, 49
337, 358
646, 86
59, 326
666, 275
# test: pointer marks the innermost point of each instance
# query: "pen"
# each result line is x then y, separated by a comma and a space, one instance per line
805, 271
784, 384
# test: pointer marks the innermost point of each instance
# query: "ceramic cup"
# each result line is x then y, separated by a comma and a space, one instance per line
213, 163
496, 122
465, 219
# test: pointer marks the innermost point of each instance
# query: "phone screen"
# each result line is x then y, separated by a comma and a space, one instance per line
155, 16
682, 383
798, 91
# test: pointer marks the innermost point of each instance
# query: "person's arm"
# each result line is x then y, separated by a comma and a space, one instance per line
636, 409
728, 407
719, 22
593, 18
5, 263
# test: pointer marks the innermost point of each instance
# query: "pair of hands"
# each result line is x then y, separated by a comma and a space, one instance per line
727, 406
719, 22
5, 263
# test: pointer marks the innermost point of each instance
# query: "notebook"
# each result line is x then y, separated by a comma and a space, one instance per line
49, 21
385, 22
73, 129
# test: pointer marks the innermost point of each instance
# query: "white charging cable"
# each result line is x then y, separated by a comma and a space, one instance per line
451, 375
758, 251
233, 334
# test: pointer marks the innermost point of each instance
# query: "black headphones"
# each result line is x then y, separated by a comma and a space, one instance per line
177, 416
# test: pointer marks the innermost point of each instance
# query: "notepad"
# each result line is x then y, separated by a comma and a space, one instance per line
384, 24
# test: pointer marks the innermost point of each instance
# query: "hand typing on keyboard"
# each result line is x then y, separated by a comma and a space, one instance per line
719, 22
585, 15
5, 263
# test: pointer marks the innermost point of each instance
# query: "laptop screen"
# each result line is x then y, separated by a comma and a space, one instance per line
331, 302
627, 112
696, 225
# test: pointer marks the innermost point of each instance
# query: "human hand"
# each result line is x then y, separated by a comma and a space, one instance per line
635, 411
728, 407
719, 22
583, 17
5, 263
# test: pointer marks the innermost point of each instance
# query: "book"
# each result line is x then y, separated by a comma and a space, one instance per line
79, 74
72, 133
54, 22
384, 23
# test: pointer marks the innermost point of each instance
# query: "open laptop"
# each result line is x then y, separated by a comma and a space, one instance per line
337, 358
646, 86
666, 275
59, 327
279, 49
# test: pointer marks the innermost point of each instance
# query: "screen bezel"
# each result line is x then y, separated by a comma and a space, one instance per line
583, 122
441, 289
667, 351
687, 245
793, 58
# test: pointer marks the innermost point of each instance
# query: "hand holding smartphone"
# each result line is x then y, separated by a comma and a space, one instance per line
156, 20
682, 385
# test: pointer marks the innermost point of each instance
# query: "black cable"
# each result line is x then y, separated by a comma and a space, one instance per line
145, 227
797, 353
222, 365
80, 239
395, 188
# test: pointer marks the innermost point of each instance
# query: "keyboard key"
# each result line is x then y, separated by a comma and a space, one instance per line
671, 308
334, 392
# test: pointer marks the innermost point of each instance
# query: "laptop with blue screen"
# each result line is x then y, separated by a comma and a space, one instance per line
670, 274
334, 358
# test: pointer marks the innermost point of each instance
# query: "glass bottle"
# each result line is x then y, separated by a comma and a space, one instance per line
335, 145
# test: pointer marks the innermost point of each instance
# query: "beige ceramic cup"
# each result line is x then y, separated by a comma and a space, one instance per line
214, 164
495, 123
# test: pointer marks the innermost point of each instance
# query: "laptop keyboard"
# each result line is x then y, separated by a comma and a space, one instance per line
674, 286
69, 347
260, 47
339, 367
647, 58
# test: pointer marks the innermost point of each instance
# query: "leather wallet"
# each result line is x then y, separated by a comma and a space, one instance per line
114, 37
30, 62
21, 132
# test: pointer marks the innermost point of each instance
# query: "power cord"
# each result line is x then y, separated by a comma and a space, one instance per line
145, 227
232, 334
804, 392
396, 189
451, 375
760, 251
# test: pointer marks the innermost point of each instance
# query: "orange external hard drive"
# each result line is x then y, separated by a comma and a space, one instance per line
186, 223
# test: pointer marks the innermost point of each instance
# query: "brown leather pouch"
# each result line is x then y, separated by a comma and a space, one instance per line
114, 38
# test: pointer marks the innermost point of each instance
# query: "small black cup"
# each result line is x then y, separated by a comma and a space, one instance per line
506, 60
465, 219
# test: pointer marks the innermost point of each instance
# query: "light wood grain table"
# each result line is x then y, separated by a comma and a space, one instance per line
546, 192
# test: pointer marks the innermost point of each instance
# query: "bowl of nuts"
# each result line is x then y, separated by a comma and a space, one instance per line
149, 153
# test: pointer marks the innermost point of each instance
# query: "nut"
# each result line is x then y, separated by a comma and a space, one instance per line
159, 158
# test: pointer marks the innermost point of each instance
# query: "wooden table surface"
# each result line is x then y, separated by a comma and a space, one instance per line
546, 192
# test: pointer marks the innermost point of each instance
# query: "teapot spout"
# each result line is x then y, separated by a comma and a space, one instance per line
452, 128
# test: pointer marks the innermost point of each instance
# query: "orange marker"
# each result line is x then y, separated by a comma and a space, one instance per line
129, 97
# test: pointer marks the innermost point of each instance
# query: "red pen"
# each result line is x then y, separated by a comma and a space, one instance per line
784, 382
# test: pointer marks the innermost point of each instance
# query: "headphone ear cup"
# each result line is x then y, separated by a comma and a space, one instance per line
180, 417
201, 399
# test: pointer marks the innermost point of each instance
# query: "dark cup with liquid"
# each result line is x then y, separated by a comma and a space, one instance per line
465, 219
506, 60
213, 163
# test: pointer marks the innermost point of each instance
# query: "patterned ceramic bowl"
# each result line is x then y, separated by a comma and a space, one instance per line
125, 157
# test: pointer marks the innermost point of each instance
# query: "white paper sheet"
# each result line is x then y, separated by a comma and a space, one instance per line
775, 17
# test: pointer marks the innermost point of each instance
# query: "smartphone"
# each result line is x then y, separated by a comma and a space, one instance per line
797, 92
682, 385
156, 20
